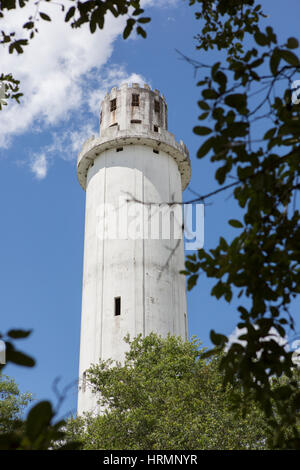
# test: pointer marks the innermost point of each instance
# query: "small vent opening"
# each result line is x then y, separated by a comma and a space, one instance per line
84, 381
135, 100
117, 306
113, 104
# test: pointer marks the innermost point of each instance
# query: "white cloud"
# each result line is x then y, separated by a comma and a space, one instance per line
272, 335
52, 69
39, 166
293, 346
64, 77
234, 337
68, 142
115, 76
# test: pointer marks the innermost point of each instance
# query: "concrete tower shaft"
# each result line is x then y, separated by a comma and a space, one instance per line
130, 284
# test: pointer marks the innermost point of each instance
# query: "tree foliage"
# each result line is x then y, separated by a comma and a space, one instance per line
40, 430
12, 404
13, 354
251, 127
166, 396
9, 89
76, 14
226, 23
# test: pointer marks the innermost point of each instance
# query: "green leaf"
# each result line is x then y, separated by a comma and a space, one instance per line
236, 100
271, 35
192, 281
228, 296
45, 17
221, 79
202, 130
206, 147
128, 28
28, 25
244, 313
223, 244
210, 353
209, 94
203, 105
203, 116
19, 358
238, 129
218, 290
235, 223
215, 68
218, 339
289, 57
144, 20
138, 11
270, 133
141, 32
69, 14
274, 61
39, 418
221, 173
17, 45
16, 334
135, 4
261, 39
93, 25
292, 43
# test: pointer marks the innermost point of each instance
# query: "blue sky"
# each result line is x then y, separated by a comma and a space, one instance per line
64, 75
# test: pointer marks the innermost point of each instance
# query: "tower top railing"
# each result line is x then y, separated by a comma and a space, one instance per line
133, 86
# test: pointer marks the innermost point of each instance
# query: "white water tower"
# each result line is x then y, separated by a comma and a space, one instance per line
131, 284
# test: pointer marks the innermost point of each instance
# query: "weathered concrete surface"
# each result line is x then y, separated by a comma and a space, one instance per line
140, 271
117, 129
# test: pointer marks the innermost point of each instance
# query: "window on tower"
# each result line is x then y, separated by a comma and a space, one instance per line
113, 104
156, 106
155, 128
135, 100
84, 381
117, 306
